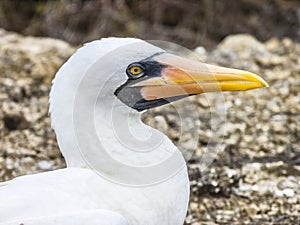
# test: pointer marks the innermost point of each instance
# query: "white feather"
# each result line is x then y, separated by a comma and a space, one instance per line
92, 217
79, 192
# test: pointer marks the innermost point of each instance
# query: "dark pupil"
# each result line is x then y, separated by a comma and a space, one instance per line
135, 70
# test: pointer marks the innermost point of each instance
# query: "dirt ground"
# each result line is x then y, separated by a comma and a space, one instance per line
245, 170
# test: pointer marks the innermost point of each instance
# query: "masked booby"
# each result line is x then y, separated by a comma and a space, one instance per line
119, 171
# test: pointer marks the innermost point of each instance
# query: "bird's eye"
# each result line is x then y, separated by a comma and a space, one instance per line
135, 70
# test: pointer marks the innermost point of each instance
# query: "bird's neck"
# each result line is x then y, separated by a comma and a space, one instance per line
111, 138
126, 138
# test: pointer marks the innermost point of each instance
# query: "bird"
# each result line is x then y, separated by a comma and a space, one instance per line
119, 170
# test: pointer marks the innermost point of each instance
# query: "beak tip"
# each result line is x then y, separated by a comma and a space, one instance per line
264, 83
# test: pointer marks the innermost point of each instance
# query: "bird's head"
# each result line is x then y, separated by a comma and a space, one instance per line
148, 76
161, 78
142, 76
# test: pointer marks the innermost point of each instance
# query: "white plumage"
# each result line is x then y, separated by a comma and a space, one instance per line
80, 194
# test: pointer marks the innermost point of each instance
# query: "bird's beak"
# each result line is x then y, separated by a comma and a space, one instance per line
180, 77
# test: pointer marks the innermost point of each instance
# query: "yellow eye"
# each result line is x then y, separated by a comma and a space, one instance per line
135, 70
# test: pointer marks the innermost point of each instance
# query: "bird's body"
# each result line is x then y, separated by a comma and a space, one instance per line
74, 191
119, 171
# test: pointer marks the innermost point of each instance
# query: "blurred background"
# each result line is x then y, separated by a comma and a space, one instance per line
190, 23
255, 179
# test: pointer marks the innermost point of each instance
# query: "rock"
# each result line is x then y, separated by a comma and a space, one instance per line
242, 42
13, 122
45, 165
200, 50
273, 44
39, 57
160, 123
201, 53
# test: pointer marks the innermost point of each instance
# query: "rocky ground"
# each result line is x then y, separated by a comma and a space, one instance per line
246, 166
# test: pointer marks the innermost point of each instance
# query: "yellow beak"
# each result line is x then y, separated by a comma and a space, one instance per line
181, 76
